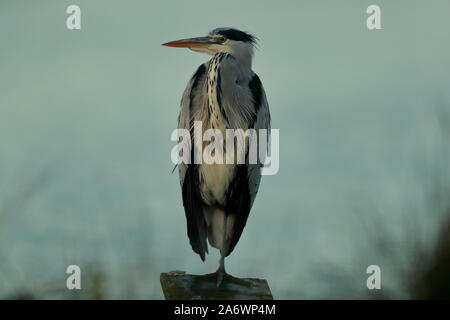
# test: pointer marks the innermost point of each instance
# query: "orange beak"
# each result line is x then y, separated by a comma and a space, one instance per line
189, 43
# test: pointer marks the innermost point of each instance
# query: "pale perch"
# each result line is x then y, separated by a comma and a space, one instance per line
177, 285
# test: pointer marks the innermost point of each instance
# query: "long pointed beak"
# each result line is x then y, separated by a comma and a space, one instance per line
189, 43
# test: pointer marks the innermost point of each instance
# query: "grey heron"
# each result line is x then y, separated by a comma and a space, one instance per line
224, 93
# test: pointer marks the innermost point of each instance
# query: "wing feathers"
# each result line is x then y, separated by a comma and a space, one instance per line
196, 224
189, 176
238, 203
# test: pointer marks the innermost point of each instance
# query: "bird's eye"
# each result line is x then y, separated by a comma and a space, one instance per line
221, 39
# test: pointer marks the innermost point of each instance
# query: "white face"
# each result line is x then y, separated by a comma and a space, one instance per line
221, 44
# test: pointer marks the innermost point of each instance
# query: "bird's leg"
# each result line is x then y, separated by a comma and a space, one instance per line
221, 273
221, 270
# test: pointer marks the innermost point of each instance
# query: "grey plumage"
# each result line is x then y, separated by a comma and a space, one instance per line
224, 93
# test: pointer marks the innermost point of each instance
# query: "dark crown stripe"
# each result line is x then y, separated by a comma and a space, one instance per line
237, 35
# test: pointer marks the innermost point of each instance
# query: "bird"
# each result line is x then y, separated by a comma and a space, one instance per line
224, 93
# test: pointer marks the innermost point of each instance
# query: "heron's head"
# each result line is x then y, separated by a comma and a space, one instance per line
235, 42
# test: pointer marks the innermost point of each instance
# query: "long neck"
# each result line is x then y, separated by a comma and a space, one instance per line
243, 53
217, 116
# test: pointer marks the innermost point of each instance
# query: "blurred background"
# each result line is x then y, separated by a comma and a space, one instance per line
85, 170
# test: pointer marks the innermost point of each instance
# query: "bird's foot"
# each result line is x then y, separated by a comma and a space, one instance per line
209, 275
220, 276
238, 281
221, 273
